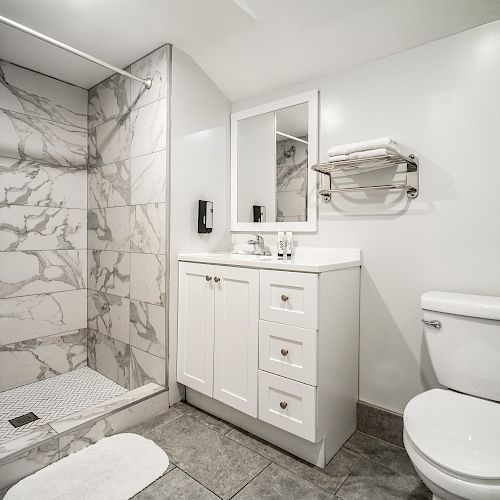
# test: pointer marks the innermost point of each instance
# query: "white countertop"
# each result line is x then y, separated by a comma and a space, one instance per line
311, 260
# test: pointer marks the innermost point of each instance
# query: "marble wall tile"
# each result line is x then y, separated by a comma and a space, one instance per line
109, 229
41, 358
23, 465
110, 357
148, 178
147, 278
46, 271
148, 128
110, 142
112, 424
147, 327
109, 185
26, 182
37, 436
24, 318
145, 368
109, 314
31, 138
109, 272
148, 231
34, 94
290, 204
41, 228
109, 100
155, 66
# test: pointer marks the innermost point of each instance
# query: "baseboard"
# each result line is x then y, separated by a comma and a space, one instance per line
380, 423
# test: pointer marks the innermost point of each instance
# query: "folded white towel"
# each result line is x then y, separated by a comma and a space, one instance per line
369, 153
381, 142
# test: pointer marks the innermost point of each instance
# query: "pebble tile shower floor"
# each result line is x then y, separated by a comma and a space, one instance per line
54, 398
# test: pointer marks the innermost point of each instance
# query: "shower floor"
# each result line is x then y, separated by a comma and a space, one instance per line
54, 398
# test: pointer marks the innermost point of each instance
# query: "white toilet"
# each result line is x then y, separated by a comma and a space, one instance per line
453, 438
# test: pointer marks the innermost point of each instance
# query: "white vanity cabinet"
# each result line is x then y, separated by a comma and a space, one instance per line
218, 332
273, 347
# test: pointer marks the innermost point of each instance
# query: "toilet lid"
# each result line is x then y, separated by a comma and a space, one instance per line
458, 432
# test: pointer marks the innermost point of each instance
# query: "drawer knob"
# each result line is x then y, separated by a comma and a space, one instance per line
283, 405
208, 278
217, 279
284, 298
284, 352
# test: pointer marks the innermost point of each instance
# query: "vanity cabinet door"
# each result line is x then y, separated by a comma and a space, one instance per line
236, 337
196, 326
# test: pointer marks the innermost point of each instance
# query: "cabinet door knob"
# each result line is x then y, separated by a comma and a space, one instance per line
284, 298
283, 405
284, 352
216, 279
208, 278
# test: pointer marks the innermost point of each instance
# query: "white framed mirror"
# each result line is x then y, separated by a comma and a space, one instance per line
273, 147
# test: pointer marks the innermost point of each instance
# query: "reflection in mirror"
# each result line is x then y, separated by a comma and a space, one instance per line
272, 165
291, 164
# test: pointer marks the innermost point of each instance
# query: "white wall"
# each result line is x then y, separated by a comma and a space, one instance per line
199, 170
443, 101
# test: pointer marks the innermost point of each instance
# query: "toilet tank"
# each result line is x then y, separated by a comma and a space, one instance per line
465, 349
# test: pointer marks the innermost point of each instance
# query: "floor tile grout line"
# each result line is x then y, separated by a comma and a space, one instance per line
381, 440
253, 479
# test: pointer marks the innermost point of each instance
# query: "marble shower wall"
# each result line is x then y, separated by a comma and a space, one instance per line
291, 178
43, 226
127, 224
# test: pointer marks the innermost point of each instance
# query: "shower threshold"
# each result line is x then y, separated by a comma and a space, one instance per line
74, 410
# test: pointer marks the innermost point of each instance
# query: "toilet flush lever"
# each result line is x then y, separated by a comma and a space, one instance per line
435, 323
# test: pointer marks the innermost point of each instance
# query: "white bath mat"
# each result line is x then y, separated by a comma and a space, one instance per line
114, 468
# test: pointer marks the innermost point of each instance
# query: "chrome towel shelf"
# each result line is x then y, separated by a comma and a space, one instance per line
352, 167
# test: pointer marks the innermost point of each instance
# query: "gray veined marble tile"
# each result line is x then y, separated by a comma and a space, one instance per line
149, 179
147, 278
110, 357
147, 327
45, 271
38, 359
109, 229
110, 424
145, 368
110, 142
35, 459
154, 66
39, 228
149, 231
30, 138
109, 272
109, 185
109, 314
34, 316
34, 94
215, 423
27, 182
15, 446
109, 100
211, 458
175, 485
148, 128
278, 483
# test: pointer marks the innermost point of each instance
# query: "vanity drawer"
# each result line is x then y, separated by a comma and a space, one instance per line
290, 298
288, 351
288, 404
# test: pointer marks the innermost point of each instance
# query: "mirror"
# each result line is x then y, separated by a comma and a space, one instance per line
272, 148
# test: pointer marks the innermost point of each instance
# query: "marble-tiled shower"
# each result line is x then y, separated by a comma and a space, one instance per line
83, 225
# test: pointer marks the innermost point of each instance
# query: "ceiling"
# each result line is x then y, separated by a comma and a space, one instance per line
247, 47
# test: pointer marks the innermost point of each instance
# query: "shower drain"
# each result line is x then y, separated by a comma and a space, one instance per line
23, 419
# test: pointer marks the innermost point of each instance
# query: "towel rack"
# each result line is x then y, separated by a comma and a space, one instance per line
365, 165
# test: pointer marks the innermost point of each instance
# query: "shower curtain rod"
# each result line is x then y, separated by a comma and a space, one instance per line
147, 82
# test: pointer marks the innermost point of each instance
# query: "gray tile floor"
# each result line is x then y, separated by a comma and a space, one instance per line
211, 459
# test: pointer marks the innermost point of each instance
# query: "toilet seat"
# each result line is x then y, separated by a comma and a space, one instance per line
459, 433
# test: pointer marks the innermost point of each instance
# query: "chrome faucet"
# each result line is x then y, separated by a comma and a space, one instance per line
258, 246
